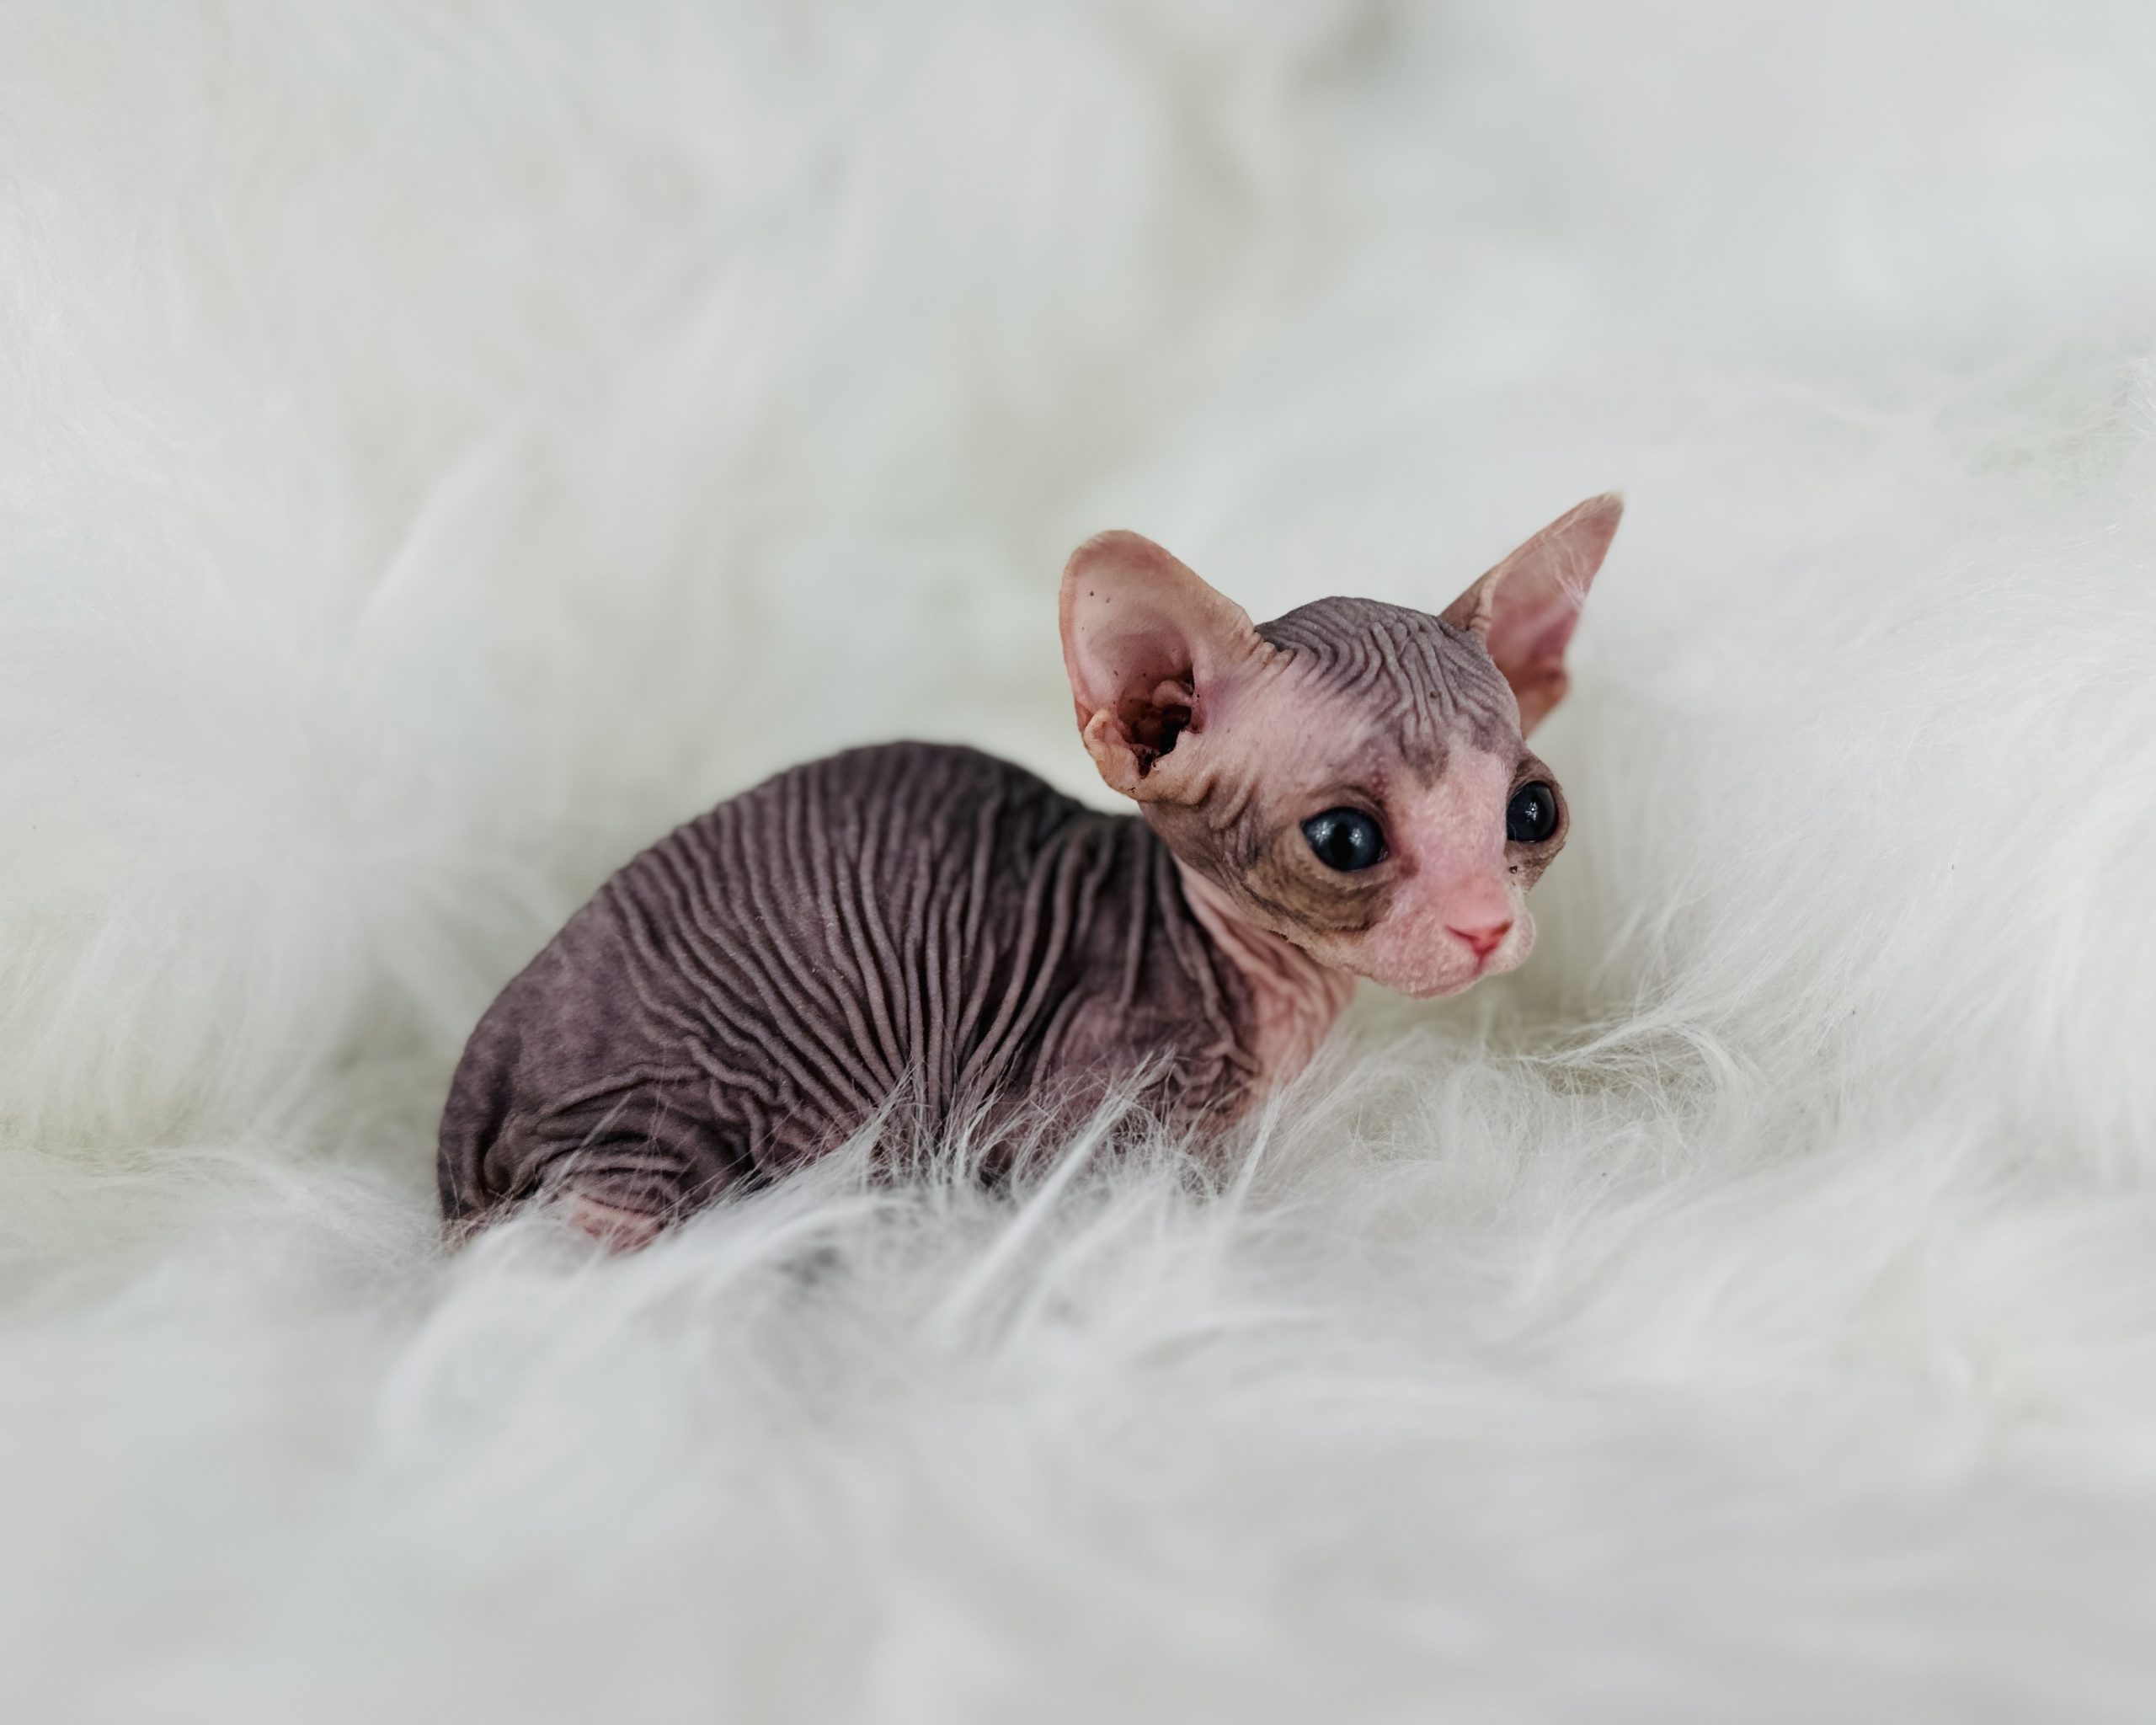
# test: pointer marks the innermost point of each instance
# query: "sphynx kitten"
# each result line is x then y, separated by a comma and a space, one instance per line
1344, 791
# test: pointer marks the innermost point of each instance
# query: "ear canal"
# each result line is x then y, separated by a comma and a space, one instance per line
1525, 608
1143, 640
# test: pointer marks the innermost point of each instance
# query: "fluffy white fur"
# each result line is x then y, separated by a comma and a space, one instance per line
440, 447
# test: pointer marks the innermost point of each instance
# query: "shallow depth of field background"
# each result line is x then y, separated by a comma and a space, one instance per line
441, 446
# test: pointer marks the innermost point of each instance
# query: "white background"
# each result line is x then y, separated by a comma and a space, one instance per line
443, 445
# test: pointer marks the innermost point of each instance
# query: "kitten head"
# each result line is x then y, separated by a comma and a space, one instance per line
1353, 775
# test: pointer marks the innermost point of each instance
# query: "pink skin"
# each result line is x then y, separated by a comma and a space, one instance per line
1256, 726
1464, 915
619, 1230
1295, 997
1458, 913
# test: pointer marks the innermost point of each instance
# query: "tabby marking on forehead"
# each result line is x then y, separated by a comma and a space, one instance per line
1422, 682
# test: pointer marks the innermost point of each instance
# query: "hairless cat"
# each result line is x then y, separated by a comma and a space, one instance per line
1344, 791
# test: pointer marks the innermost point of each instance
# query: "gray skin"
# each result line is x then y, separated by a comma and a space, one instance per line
911, 920
928, 930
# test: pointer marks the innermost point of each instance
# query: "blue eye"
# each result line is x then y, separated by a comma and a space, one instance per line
1531, 816
1345, 839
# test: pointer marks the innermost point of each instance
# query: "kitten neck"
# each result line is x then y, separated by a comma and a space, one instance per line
1293, 1000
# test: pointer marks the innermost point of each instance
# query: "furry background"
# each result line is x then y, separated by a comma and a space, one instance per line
443, 445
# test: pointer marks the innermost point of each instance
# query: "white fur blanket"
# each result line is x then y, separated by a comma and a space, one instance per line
442, 446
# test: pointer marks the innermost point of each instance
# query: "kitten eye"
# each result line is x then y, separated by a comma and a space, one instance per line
1531, 816
1345, 839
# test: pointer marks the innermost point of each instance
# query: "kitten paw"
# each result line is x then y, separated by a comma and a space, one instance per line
615, 1227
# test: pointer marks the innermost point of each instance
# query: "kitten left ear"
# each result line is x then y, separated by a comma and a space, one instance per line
1147, 645
1525, 608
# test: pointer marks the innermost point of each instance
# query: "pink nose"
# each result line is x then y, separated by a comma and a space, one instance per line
1486, 940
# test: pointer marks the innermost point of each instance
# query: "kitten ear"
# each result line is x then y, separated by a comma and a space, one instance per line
1145, 643
1525, 608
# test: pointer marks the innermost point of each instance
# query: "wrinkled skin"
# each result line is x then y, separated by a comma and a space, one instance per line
928, 929
909, 920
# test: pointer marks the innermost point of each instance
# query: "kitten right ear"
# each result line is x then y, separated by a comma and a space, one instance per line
1145, 641
1525, 608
